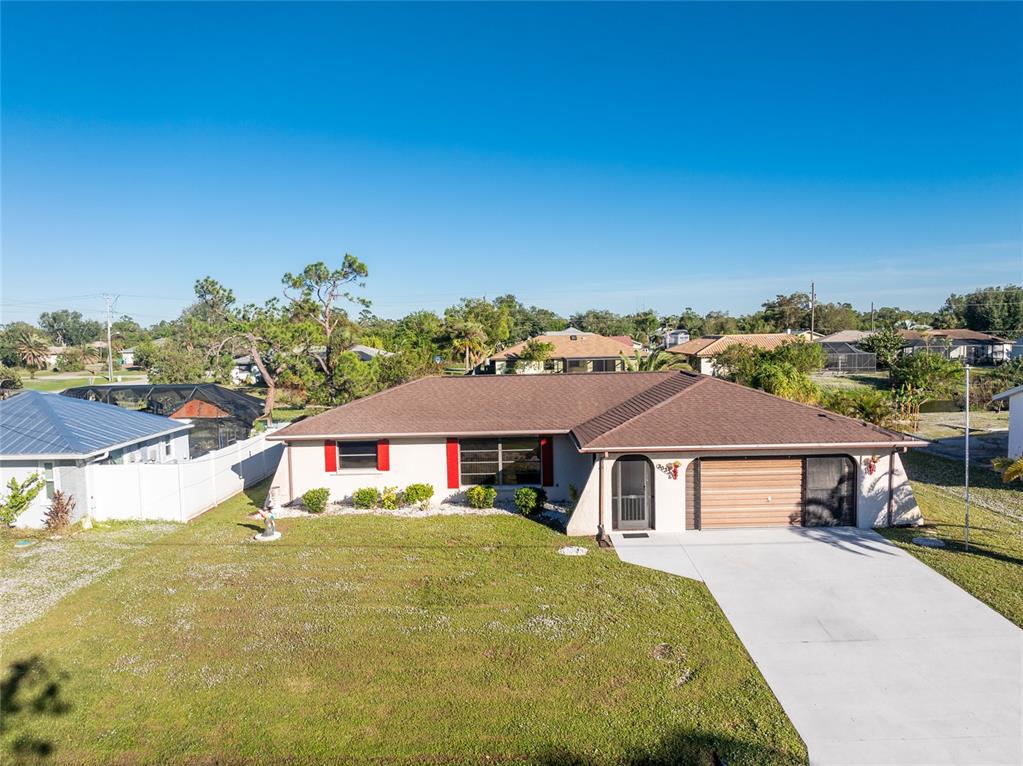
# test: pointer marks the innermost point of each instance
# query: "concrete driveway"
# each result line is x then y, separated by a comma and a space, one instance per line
876, 658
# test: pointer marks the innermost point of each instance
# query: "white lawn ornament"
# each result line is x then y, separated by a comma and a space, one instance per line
573, 550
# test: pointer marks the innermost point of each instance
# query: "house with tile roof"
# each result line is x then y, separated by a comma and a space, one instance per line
650, 451
700, 352
573, 351
58, 437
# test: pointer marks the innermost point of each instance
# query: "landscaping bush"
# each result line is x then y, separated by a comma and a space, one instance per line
366, 498
419, 494
481, 497
529, 500
315, 500
391, 499
19, 497
58, 516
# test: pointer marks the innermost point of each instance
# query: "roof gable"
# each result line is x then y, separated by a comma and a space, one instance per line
573, 346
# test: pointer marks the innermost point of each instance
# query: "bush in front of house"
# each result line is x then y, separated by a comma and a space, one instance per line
419, 494
366, 498
529, 500
315, 500
58, 515
391, 499
481, 497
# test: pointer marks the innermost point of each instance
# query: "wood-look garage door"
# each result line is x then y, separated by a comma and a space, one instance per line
758, 492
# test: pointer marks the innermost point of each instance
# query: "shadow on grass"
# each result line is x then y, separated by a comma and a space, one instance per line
30, 689
257, 493
952, 536
683, 746
254, 527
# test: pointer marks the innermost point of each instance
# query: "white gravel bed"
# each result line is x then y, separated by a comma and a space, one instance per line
553, 515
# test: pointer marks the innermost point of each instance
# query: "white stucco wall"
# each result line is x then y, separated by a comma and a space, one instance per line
68, 477
411, 461
1016, 425
669, 494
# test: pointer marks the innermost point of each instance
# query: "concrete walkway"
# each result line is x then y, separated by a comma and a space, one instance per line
876, 658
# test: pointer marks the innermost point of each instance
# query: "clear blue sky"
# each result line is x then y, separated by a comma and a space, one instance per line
617, 156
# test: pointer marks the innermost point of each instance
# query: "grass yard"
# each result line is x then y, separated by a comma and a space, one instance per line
52, 384
992, 570
371, 639
875, 381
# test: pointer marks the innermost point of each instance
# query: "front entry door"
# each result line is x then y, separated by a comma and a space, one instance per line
632, 493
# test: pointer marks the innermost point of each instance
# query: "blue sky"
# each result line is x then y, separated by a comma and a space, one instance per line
617, 156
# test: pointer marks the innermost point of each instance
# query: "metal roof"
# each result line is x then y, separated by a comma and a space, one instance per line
34, 424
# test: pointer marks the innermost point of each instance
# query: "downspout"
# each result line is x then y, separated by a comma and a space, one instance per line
891, 491
291, 482
602, 537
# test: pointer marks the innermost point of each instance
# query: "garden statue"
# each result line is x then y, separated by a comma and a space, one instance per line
269, 516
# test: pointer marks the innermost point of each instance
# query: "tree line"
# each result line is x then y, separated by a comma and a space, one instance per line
300, 341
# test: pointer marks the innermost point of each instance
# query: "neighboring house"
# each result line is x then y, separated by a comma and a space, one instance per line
1014, 396
220, 415
675, 337
700, 352
664, 451
809, 335
53, 355
845, 336
967, 346
574, 351
128, 357
365, 353
244, 371
57, 437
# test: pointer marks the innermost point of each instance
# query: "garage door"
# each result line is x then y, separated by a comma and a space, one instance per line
762, 492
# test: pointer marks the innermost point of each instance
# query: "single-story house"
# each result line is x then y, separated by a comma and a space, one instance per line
220, 416
845, 336
968, 346
674, 337
663, 451
57, 436
574, 352
1014, 396
700, 352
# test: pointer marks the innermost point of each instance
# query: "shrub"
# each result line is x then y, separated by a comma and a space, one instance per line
419, 494
19, 497
58, 516
481, 497
529, 500
366, 498
391, 499
315, 500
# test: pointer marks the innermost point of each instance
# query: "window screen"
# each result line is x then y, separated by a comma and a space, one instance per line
830, 492
356, 455
500, 461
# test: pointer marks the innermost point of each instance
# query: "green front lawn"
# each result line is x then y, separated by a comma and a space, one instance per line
372, 639
992, 568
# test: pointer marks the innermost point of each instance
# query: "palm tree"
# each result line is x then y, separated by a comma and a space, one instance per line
32, 350
90, 354
468, 338
656, 361
1011, 469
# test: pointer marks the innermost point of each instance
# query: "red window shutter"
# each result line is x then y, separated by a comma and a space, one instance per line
547, 460
454, 479
383, 455
330, 457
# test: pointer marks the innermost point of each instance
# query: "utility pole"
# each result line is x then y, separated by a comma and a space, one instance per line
813, 308
872, 316
967, 461
110, 300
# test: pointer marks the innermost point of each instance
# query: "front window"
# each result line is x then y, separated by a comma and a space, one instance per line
357, 456
605, 365
506, 461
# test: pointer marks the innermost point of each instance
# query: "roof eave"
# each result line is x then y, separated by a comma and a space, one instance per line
93, 453
283, 437
756, 447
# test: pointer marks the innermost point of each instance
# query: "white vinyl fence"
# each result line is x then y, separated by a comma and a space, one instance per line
180, 491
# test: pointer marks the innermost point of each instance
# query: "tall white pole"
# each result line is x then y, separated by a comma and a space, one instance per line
109, 299
967, 461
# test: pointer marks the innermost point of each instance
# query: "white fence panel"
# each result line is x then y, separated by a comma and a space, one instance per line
180, 491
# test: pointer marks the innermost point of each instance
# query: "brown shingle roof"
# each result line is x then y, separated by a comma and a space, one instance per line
603, 411
711, 345
585, 346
